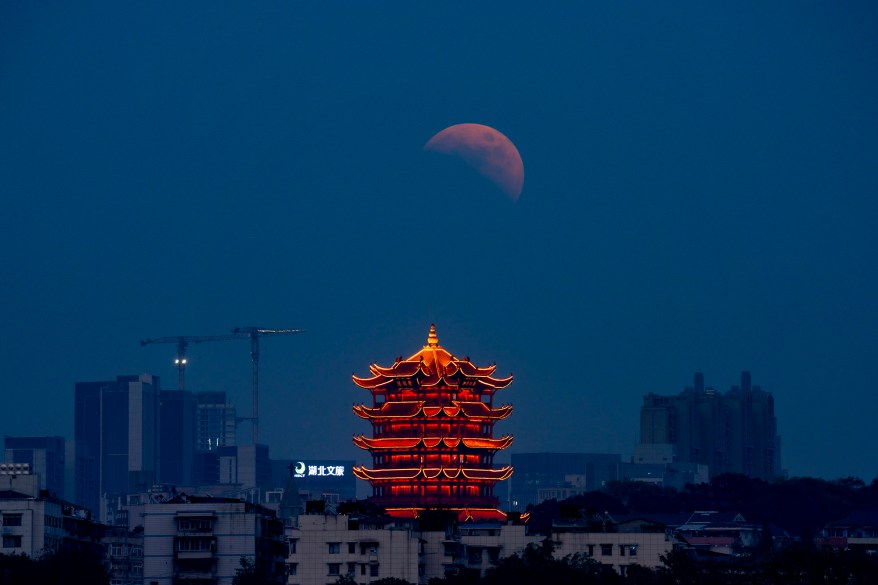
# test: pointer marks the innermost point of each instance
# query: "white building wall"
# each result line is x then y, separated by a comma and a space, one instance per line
234, 528
419, 556
40, 526
615, 548
323, 543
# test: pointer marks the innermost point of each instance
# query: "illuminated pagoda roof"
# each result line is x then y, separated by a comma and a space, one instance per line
413, 408
430, 442
433, 365
432, 417
433, 473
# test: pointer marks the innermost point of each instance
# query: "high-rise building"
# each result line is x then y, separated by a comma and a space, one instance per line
542, 476
117, 421
215, 421
735, 432
433, 442
46, 457
177, 436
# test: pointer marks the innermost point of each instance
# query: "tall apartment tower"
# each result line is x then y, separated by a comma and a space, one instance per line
735, 432
117, 421
215, 421
46, 457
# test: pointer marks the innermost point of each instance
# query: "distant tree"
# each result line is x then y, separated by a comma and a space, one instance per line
71, 567
17, 569
345, 580
460, 576
537, 564
249, 573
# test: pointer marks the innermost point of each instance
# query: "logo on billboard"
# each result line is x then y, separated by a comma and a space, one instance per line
303, 470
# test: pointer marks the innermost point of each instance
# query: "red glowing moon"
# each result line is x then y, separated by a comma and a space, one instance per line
486, 150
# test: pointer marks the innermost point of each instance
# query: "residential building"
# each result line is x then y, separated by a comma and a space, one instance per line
35, 522
735, 432
630, 541
46, 457
725, 533
190, 539
123, 555
324, 547
857, 531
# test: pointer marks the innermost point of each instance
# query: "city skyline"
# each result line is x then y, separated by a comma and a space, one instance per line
698, 196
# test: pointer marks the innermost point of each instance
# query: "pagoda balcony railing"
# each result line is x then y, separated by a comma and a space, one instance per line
438, 501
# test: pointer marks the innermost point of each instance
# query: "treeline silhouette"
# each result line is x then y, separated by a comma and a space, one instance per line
802, 505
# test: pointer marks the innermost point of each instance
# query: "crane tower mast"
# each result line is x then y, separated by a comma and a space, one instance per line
251, 333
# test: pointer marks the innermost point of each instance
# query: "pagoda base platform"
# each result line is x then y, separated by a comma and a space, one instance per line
463, 514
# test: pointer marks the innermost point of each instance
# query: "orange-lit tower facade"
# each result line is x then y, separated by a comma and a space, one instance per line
432, 442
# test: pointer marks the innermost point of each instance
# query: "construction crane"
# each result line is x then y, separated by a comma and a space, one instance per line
254, 333
183, 342
251, 333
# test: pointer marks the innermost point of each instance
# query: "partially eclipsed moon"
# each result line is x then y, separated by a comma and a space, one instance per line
300, 467
486, 150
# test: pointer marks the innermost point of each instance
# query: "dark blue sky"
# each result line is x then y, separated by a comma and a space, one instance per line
699, 195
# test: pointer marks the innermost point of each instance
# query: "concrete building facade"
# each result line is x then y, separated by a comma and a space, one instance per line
46, 457
325, 547
200, 540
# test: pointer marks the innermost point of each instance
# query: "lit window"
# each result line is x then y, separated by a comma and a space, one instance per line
632, 550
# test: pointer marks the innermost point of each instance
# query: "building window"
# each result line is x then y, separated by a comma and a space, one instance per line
352, 568
195, 524
137, 551
334, 548
632, 550
291, 547
115, 550
195, 544
334, 568
373, 570
352, 548
622, 550
292, 568
606, 550
11, 519
591, 550
362, 569
11, 541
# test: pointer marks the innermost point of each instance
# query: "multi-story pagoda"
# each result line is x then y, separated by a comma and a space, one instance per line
433, 439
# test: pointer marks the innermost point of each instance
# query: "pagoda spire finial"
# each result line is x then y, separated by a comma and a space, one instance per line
432, 338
